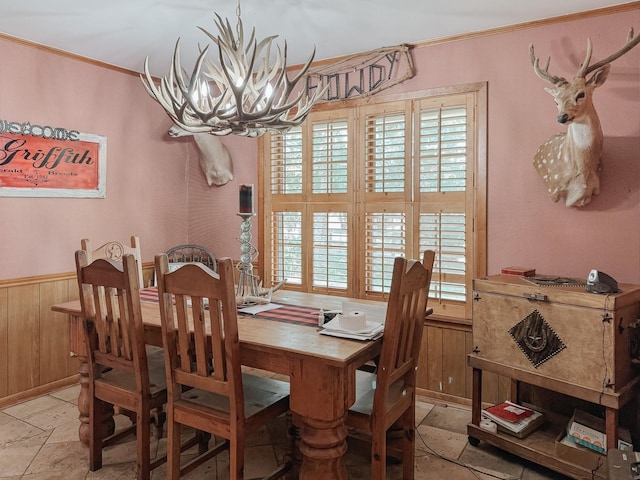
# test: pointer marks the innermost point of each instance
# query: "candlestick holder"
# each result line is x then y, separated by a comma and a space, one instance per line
248, 283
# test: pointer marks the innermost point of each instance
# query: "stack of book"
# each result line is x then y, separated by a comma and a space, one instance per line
513, 419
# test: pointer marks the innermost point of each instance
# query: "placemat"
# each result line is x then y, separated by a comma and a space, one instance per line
292, 314
149, 294
286, 313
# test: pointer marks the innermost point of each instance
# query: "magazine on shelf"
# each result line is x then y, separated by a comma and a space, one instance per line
528, 421
511, 412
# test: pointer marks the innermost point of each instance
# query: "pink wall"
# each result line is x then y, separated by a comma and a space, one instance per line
525, 228
154, 185
155, 188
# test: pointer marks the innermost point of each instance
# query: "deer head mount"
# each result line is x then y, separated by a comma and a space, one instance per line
569, 163
215, 159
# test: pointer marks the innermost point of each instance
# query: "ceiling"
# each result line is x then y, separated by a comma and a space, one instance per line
123, 32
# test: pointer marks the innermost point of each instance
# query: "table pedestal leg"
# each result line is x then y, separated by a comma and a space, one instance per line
106, 412
322, 445
83, 401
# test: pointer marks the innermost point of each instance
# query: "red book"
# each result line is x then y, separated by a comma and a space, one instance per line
511, 412
522, 271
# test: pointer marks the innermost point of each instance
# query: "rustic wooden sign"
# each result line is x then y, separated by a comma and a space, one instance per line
43, 161
362, 74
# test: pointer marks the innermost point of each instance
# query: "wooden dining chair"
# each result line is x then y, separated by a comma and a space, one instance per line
115, 250
386, 398
202, 354
192, 253
121, 373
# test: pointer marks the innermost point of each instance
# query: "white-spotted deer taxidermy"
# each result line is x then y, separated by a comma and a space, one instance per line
215, 159
569, 163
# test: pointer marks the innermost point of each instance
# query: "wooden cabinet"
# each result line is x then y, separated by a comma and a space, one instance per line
563, 339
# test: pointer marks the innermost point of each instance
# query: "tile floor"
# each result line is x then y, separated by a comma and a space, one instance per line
39, 441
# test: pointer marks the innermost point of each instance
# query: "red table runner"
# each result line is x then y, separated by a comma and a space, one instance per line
286, 313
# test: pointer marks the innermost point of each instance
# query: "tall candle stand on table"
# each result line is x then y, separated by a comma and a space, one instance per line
247, 281
250, 291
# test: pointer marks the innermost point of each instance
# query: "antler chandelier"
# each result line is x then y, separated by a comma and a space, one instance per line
245, 94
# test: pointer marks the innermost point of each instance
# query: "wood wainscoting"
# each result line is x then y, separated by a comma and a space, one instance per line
35, 358
34, 341
442, 367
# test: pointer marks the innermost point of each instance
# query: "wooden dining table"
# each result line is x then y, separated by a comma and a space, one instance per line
321, 371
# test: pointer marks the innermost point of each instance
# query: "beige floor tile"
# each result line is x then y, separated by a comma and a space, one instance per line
431, 467
259, 437
491, 460
34, 441
422, 410
60, 457
67, 432
58, 413
30, 407
64, 475
69, 394
441, 442
4, 418
449, 418
206, 471
16, 460
118, 471
259, 461
363, 472
16, 431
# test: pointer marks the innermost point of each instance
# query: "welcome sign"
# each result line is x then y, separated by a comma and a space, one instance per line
43, 161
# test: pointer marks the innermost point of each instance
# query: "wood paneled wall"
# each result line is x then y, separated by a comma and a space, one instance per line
442, 368
35, 359
34, 341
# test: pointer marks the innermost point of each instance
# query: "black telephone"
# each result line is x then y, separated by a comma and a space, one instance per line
600, 282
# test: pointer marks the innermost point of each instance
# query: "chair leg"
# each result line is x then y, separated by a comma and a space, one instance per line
236, 458
408, 444
95, 434
378, 452
173, 448
143, 441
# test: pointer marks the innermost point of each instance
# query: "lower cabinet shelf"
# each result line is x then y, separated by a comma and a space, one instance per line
539, 448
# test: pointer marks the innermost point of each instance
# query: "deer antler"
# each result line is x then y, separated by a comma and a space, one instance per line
236, 96
629, 44
544, 73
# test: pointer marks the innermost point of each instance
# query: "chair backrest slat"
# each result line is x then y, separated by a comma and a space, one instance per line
217, 341
200, 336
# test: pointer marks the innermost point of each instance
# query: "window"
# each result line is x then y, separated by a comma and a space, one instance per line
357, 185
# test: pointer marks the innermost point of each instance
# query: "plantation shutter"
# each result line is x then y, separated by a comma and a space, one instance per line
353, 188
444, 160
385, 199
